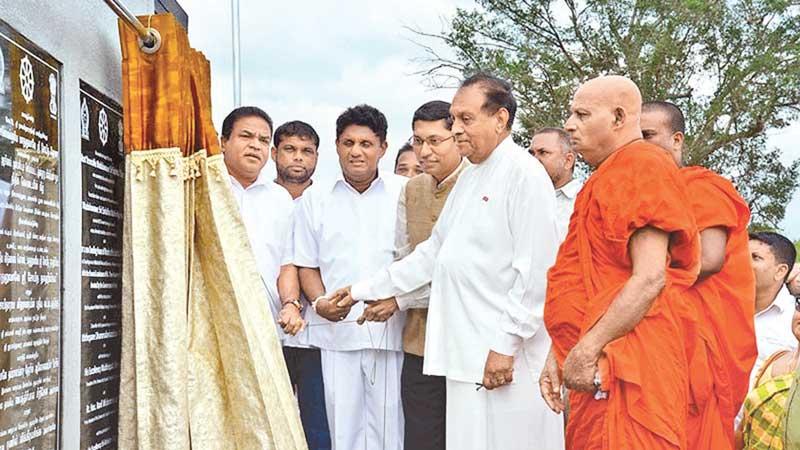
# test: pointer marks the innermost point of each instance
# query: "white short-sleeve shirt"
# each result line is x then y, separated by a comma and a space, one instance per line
267, 212
348, 236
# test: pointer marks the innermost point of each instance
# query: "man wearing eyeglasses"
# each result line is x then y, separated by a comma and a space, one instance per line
418, 209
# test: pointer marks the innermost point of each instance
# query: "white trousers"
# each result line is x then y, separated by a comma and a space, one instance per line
513, 417
362, 399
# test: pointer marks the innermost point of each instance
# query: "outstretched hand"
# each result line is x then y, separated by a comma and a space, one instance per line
329, 309
342, 298
378, 311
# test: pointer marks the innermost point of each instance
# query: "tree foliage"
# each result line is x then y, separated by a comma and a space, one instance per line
733, 66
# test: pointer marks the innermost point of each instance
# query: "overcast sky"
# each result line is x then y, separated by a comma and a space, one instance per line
309, 60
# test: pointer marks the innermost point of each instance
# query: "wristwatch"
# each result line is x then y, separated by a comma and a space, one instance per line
294, 302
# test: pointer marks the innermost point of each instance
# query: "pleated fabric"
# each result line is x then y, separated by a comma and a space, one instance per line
201, 364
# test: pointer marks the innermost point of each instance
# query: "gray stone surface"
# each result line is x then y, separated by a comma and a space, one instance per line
83, 36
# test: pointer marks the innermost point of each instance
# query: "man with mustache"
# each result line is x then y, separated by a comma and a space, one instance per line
343, 232
486, 261
295, 153
266, 208
615, 289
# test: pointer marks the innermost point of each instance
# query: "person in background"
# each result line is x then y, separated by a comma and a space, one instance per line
721, 342
773, 257
406, 163
551, 146
765, 408
295, 152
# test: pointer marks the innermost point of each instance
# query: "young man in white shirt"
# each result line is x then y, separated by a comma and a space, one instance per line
295, 152
551, 146
343, 232
773, 257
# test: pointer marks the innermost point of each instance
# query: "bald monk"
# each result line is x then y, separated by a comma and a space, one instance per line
612, 295
722, 301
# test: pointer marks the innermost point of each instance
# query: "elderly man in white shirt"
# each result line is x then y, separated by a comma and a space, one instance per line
266, 208
486, 261
344, 232
552, 147
772, 256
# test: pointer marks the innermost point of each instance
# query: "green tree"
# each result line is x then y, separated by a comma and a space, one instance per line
733, 66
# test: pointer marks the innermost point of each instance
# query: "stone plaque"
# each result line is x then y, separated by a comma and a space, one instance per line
30, 244
102, 158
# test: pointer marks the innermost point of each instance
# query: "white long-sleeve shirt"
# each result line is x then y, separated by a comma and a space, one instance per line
565, 203
348, 235
267, 212
420, 297
487, 262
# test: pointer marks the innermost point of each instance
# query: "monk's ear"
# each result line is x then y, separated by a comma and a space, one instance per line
619, 116
677, 140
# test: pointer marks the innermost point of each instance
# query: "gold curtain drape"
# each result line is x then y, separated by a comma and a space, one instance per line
201, 364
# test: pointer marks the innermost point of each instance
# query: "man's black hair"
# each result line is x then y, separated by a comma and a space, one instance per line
296, 128
781, 247
563, 137
432, 112
498, 94
675, 118
405, 148
240, 113
365, 116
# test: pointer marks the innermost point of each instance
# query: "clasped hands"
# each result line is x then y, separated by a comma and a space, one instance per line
290, 319
335, 307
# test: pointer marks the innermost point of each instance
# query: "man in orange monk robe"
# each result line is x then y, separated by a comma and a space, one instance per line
722, 301
614, 292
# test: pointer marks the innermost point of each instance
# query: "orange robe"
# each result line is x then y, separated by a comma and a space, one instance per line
645, 372
724, 306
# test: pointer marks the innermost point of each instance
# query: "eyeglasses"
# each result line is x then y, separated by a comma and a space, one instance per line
433, 141
797, 304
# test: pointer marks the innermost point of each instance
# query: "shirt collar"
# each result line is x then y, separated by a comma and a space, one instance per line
783, 302
262, 180
340, 181
571, 189
496, 154
450, 179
